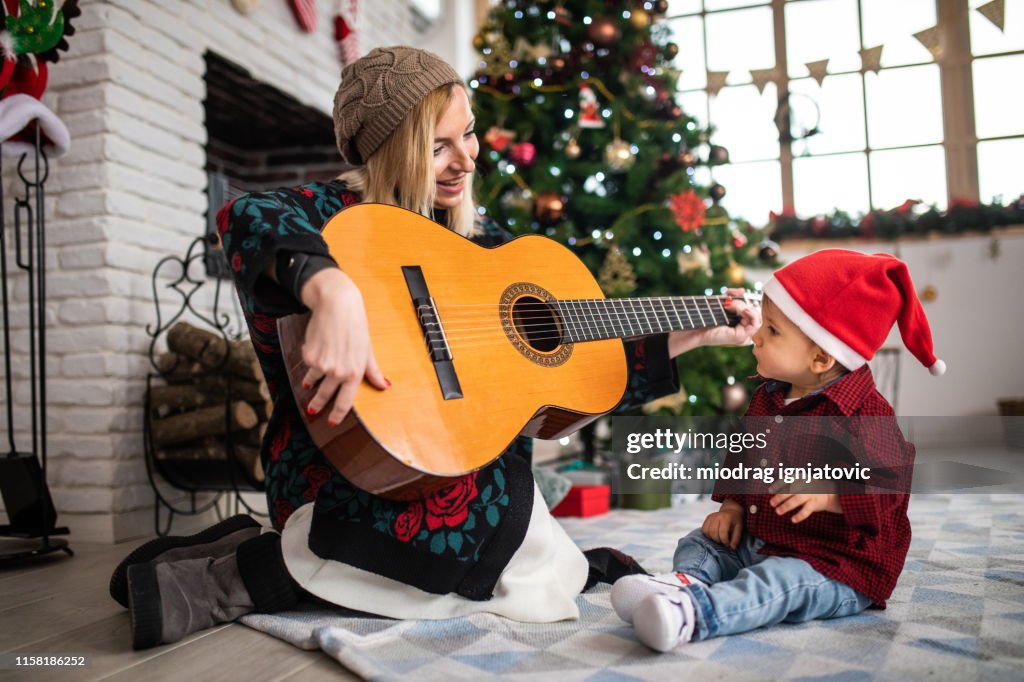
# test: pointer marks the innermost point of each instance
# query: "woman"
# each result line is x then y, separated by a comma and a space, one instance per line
486, 543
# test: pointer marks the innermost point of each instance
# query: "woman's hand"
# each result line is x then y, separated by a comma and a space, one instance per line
337, 346
740, 335
725, 526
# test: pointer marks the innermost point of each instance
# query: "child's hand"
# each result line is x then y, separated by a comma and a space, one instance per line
725, 526
805, 503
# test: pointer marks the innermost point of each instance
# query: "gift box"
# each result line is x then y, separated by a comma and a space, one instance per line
584, 500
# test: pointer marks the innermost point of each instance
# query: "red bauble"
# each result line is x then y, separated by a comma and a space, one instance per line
523, 154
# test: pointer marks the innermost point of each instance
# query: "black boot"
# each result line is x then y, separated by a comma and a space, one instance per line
216, 541
170, 600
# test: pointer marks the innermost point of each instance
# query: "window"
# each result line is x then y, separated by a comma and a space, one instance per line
868, 135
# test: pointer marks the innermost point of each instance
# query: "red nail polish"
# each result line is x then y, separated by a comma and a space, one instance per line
387, 381
310, 411
727, 302
306, 385
331, 423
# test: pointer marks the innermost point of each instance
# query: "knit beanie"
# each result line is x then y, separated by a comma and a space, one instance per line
376, 93
846, 302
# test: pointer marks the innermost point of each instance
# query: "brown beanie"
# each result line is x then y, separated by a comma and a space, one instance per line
376, 93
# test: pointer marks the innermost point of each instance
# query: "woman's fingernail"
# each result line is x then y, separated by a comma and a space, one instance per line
310, 411
331, 422
727, 302
306, 385
387, 381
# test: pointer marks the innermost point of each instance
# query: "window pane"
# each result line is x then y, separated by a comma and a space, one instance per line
729, 4
741, 41
688, 34
822, 184
901, 174
894, 24
987, 39
695, 105
744, 122
677, 7
997, 109
999, 169
752, 189
822, 29
841, 125
904, 106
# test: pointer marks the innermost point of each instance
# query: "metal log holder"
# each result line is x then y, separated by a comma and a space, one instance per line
30, 511
217, 478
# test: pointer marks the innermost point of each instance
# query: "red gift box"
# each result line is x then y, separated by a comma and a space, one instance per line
585, 500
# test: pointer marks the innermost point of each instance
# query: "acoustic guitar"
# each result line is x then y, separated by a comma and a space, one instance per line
481, 345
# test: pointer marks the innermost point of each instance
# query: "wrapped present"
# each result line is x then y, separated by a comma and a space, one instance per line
585, 500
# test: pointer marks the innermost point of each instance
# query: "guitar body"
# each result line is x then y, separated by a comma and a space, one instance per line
513, 369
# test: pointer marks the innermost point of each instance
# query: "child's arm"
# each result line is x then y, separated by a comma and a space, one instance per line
725, 526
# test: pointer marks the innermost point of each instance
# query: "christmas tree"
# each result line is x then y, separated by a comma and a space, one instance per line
583, 141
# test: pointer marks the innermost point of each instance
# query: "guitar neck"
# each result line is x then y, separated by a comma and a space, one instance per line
622, 318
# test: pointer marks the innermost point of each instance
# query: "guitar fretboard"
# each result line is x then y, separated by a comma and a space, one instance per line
620, 318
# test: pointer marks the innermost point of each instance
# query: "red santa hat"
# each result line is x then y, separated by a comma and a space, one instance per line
846, 302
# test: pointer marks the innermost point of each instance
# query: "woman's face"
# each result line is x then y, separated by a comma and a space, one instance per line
455, 150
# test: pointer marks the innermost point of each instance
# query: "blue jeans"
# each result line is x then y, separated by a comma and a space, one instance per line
748, 590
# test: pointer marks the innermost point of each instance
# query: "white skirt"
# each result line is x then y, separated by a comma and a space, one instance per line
539, 585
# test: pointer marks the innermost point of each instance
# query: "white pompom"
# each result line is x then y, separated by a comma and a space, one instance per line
938, 369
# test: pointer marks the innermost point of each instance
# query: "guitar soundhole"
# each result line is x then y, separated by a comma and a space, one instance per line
531, 324
537, 324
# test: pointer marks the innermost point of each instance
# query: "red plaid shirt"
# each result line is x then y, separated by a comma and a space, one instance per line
866, 545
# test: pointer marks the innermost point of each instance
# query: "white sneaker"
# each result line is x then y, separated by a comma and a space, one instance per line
664, 621
629, 591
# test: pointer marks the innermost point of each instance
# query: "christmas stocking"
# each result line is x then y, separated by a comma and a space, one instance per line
345, 31
305, 13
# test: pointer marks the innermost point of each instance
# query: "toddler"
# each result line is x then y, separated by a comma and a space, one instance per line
788, 555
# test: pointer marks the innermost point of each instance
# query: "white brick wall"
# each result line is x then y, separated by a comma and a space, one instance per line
131, 191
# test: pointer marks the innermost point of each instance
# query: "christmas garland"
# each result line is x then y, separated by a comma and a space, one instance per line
908, 219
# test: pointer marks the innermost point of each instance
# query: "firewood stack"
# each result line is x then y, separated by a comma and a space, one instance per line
213, 401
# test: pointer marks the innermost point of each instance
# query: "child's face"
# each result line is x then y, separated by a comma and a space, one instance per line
783, 352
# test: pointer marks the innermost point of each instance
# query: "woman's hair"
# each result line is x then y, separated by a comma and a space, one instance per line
401, 171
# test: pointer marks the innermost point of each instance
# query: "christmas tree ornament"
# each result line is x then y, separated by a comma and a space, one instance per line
616, 276
717, 155
739, 240
604, 32
734, 274
523, 154
659, 6
572, 148
526, 51
688, 209
734, 397
518, 200
562, 15
768, 251
671, 50
244, 6
619, 155
687, 158
640, 18
642, 58
695, 260
305, 14
589, 116
716, 192
478, 42
549, 207
499, 138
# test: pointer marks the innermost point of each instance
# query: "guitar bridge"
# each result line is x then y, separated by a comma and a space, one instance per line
433, 332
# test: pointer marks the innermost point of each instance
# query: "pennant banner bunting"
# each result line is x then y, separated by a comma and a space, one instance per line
995, 12
761, 77
871, 58
716, 81
818, 69
931, 39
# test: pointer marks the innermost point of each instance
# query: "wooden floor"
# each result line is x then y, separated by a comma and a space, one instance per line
56, 604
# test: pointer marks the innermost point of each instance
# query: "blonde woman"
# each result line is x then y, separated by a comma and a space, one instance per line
403, 119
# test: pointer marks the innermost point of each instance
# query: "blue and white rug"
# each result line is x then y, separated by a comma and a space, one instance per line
957, 613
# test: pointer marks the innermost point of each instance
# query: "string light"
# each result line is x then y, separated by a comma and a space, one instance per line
636, 251
657, 234
665, 253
